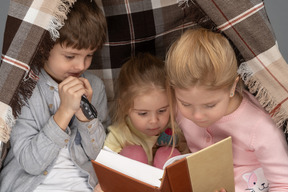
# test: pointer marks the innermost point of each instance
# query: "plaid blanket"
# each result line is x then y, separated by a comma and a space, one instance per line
29, 23
143, 25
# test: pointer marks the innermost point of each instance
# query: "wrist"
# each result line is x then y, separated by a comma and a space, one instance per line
62, 118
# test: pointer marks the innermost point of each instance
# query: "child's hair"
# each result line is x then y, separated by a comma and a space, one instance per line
201, 57
139, 75
85, 27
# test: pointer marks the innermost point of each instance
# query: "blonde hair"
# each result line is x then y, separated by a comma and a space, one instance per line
137, 76
201, 57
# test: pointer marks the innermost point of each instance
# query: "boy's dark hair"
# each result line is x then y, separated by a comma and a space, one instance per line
85, 27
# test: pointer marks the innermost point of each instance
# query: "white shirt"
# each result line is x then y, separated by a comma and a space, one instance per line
64, 176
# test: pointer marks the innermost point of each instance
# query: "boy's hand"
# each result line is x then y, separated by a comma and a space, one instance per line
98, 188
70, 92
89, 92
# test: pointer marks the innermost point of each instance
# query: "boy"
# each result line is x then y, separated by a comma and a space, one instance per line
53, 142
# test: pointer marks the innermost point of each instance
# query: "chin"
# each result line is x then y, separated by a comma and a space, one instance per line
203, 125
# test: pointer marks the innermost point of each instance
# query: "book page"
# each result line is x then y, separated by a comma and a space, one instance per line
212, 167
130, 167
175, 158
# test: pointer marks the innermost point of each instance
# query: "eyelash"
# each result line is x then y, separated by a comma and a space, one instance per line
207, 106
72, 57
210, 106
142, 114
69, 57
185, 105
160, 111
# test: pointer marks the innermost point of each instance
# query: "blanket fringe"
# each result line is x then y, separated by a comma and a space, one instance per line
59, 17
46, 43
278, 115
6, 122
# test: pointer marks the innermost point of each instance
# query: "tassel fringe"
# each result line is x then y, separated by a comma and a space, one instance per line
265, 99
59, 17
6, 122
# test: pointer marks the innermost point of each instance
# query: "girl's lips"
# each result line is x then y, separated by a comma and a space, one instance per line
155, 128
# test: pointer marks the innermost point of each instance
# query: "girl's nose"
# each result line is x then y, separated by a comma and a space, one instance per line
154, 118
197, 114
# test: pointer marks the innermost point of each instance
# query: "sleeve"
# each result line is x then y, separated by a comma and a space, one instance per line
92, 136
93, 133
99, 99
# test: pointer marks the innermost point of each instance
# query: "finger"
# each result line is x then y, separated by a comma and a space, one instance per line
89, 90
71, 84
66, 81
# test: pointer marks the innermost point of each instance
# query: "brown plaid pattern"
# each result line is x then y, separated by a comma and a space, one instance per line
140, 26
151, 26
29, 23
264, 70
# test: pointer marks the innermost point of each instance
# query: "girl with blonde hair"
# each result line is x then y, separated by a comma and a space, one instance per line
202, 70
140, 128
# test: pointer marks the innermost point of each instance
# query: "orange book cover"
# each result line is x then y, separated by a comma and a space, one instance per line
201, 171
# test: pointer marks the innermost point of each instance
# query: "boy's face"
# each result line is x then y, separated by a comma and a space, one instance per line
203, 107
150, 113
66, 61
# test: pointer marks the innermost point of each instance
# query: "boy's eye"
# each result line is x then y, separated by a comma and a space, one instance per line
69, 56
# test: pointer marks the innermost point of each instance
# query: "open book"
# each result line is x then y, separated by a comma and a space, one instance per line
203, 171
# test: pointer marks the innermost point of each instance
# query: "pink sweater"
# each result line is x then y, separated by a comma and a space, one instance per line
258, 146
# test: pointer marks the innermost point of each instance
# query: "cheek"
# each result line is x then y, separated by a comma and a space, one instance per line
136, 121
88, 63
184, 110
165, 118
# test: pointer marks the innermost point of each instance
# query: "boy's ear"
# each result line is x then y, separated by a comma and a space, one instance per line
233, 88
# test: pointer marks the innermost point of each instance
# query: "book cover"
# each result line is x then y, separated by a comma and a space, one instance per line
206, 170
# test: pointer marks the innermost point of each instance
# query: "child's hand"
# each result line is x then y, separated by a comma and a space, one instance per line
88, 93
98, 188
70, 92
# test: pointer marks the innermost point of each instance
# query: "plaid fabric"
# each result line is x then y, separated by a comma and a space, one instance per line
152, 25
28, 24
265, 71
141, 26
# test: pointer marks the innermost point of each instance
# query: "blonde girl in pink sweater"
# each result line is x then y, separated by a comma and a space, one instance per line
202, 71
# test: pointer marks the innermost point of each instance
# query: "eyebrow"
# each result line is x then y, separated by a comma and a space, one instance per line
74, 53
149, 110
208, 103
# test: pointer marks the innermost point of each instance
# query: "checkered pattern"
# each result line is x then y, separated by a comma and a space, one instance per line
264, 71
140, 26
150, 25
29, 24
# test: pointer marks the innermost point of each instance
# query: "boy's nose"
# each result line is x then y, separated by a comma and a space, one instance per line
80, 65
